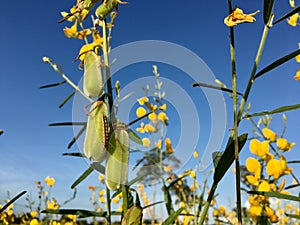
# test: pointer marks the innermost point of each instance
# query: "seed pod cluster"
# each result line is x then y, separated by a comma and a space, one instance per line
116, 170
97, 132
92, 79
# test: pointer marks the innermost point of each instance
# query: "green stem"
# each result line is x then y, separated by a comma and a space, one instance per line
108, 207
125, 198
254, 69
235, 126
207, 203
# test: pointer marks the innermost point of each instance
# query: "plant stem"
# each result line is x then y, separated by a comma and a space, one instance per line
108, 217
254, 69
235, 126
207, 203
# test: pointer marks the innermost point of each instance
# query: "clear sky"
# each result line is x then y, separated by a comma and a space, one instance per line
30, 150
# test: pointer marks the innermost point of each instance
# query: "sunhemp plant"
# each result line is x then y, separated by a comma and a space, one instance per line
107, 139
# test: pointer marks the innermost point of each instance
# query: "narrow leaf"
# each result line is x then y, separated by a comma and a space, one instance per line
294, 161
276, 195
137, 179
52, 85
199, 84
76, 154
97, 166
176, 180
67, 124
277, 63
295, 216
291, 186
275, 111
268, 10
66, 99
79, 212
77, 136
82, 177
12, 201
134, 137
216, 158
172, 217
227, 157
294, 11
153, 204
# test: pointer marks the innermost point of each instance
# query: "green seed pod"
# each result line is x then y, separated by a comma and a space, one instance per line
116, 170
133, 215
97, 133
93, 81
107, 7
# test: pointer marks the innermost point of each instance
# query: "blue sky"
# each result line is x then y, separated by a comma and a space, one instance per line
30, 150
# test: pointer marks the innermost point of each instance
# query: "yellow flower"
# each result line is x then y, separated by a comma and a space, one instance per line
163, 117
182, 204
195, 154
163, 107
146, 142
269, 134
193, 174
49, 181
141, 129
168, 168
52, 205
284, 145
101, 178
140, 112
102, 192
152, 117
264, 186
33, 213
92, 188
253, 165
143, 100
258, 148
34, 222
293, 20
140, 187
159, 144
169, 146
277, 168
149, 128
255, 211
101, 199
281, 186
222, 210
297, 77
238, 16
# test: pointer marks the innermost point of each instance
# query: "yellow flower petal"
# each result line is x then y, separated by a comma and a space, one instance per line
143, 100
293, 20
163, 107
140, 112
264, 186
238, 16
49, 181
269, 134
284, 145
152, 117
195, 154
252, 165
146, 142
297, 77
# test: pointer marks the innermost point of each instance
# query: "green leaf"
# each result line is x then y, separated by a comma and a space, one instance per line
53, 85
178, 179
80, 132
134, 137
172, 217
276, 195
97, 166
82, 177
275, 111
291, 186
11, 201
293, 161
295, 216
79, 212
137, 179
294, 11
66, 99
216, 158
199, 84
76, 154
268, 10
227, 157
153, 204
277, 63
67, 124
